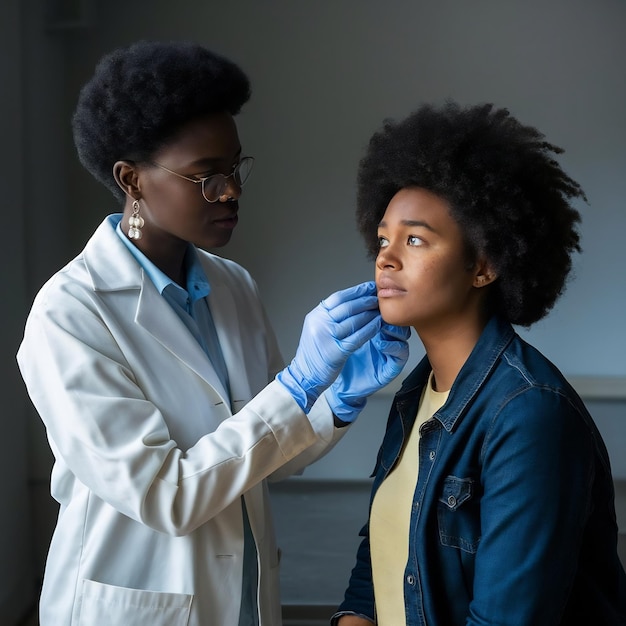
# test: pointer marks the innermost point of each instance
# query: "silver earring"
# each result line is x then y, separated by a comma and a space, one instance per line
135, 222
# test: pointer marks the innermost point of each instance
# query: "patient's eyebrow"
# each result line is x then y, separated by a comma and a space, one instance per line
411, 224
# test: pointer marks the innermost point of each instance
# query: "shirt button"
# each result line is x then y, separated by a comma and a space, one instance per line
432, 455
410, 579
451, 501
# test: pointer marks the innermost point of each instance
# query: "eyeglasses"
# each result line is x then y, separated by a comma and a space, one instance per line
214, 186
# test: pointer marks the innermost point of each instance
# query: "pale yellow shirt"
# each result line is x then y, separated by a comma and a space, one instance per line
391, 515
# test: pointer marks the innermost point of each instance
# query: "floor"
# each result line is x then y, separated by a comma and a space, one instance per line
317, 523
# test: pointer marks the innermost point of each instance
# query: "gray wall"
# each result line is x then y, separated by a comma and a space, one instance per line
33, 242
325, 74
15, 556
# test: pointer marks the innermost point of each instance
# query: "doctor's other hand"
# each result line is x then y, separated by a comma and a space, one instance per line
373, 366
331, 332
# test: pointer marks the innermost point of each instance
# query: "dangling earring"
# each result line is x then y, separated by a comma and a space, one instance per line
135, 222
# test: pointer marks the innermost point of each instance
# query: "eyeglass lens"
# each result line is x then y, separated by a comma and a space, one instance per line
214, 186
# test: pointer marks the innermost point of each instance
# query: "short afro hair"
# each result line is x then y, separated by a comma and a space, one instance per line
141, 95
503, 186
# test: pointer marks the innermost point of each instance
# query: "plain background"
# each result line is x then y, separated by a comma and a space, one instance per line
325, 74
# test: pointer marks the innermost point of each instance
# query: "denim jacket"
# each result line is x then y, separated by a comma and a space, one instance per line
513, 520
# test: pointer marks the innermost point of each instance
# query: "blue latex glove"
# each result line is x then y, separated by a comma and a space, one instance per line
332, 331
370, 368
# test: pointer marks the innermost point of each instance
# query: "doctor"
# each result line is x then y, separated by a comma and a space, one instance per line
156, 373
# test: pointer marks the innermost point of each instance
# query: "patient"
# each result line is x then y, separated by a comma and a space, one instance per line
492, 500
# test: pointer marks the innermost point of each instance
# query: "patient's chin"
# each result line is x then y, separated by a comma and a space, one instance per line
391, 315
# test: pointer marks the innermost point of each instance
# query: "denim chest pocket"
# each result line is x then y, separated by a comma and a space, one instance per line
458, 514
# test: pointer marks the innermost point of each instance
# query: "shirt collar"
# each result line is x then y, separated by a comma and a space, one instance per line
494, 340
197, 282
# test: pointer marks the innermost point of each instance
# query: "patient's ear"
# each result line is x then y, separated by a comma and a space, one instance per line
484, 274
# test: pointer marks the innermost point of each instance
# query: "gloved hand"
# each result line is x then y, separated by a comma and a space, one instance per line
369, 369
331, 332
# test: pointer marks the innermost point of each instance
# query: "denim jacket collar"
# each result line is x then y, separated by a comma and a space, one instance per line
493, 341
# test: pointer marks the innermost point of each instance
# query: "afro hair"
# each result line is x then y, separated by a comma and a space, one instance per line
509, 196
141, 95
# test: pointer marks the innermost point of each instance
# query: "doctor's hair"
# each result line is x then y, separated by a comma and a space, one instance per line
141, 95
503, 186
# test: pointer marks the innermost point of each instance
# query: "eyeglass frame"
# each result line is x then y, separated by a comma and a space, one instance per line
202, 180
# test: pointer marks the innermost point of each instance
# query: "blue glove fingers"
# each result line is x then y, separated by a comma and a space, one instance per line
392, 340
359, 335
353, 324
345, 310
345, 295
367, 370
392, 351
395, 332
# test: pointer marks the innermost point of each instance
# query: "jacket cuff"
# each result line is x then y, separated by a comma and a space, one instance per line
335, 618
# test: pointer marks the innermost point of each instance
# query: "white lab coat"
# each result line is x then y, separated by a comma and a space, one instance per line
150, 462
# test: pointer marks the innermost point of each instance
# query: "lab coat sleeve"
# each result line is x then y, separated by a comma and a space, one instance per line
320, 417
110, 437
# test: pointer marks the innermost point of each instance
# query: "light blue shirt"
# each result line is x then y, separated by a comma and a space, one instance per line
192, 307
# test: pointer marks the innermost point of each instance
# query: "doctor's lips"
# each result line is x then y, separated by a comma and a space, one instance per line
227, 221
387, 288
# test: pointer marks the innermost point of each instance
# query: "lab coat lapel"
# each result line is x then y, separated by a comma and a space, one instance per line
157, 317
227, 321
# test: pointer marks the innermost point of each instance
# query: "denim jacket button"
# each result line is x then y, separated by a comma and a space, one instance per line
451, 501
410, 579
432, 455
